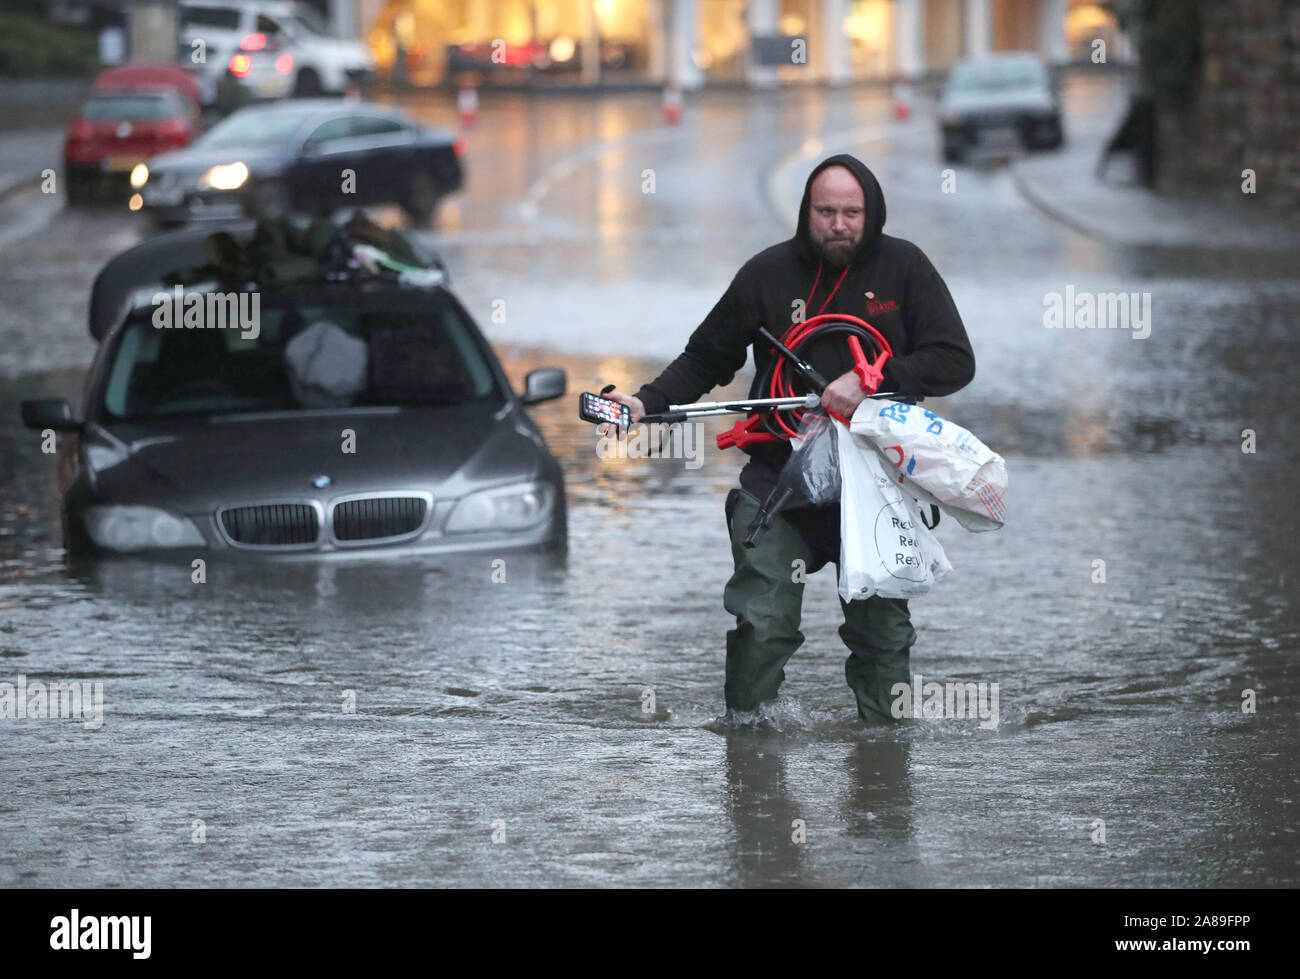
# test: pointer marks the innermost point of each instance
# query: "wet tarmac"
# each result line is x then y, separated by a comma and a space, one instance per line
561, 728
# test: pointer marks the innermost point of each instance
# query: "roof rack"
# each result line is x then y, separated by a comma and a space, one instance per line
250, 250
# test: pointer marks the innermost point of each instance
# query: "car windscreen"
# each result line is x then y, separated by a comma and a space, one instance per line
222, 18
253, 127
310, 21
101, 108
997, 78
303, 357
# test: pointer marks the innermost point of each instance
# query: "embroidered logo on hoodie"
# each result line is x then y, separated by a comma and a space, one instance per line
875, 306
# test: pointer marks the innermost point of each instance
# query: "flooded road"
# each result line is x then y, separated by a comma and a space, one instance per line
561, 727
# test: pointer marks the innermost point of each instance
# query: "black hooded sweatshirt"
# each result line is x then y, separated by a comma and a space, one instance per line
888, 282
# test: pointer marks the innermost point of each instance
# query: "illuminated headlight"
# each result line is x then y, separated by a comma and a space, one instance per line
226, 176
139, 176
506, 508
138, 528
562, 49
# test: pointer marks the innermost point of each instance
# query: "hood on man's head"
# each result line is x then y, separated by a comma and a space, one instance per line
871, 193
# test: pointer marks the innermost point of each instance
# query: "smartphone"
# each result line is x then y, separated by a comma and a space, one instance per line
597, 410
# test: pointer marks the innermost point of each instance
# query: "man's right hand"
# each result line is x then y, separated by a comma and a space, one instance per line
638, 411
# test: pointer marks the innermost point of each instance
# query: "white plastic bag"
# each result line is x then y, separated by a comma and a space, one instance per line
885, 549
326, 366
958, 472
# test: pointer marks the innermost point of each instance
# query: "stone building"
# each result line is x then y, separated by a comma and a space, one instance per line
1225, 75
696, 43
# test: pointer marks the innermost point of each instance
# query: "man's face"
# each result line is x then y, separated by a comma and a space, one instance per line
838, 216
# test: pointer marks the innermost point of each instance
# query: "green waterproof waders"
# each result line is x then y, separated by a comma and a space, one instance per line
765, 594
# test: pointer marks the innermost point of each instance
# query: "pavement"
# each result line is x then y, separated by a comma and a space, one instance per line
1064, 186
24, 153
33, 115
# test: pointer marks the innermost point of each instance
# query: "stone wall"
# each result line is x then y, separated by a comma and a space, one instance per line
1243, 112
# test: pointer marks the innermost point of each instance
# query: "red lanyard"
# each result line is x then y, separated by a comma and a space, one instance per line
833, 291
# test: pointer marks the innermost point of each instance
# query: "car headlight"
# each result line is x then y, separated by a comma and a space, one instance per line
226, 176
139, 176
505, 508
138, 528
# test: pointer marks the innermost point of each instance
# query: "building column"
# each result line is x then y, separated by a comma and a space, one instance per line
835, 43
908, 38
682, 70
656, 55
590, 44
151, 27
979, 28
343, 18
367, 12
761, 18
1056, 47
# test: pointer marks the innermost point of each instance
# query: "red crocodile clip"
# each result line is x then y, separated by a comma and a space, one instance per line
742, 433
870, 375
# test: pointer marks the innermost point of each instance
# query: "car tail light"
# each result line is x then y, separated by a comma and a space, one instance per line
284, 63
241, 64
253, 42
458, 147
79, 131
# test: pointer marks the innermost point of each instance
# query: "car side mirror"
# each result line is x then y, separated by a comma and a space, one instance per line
544, 384
55, 413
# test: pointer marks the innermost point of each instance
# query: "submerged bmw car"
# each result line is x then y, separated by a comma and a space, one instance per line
357, 417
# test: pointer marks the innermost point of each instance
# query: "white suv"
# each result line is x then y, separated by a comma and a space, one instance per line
274, 48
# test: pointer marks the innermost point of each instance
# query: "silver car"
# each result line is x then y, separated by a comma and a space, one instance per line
274, 47
999, 104
356, 418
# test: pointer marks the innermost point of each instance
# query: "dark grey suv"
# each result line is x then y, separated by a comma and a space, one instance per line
363, 417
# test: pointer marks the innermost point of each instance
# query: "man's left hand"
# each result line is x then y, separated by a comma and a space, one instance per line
843, 395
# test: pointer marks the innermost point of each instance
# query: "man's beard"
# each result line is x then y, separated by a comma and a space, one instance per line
835, 257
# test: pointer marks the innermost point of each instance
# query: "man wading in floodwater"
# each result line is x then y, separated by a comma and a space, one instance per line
837, 262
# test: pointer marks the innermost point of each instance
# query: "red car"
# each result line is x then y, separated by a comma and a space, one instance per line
133, 112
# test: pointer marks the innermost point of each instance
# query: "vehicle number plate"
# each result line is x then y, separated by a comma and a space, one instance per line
1000, 136
116, 164
158, 196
